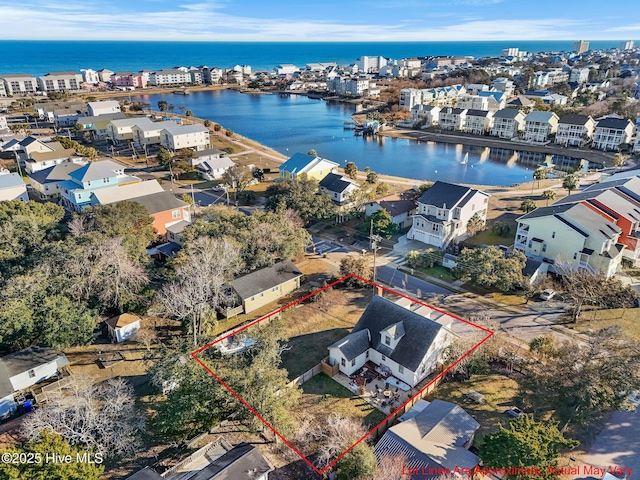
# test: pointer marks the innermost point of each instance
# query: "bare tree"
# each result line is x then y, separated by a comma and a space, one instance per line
147, 335
337, 434
203, 272
101, 415
392, 467
80, 224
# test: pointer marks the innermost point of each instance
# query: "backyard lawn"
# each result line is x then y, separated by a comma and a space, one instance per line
322, 396
312, 327
626, 318
499, 393
489, 238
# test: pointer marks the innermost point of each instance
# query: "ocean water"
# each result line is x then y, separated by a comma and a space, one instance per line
40, 57
291, 124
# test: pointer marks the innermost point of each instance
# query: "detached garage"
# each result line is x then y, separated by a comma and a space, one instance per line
122, 327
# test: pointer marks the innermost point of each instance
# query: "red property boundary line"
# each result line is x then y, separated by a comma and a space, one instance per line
195, 353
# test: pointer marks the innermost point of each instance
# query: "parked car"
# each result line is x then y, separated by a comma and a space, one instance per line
219, 188
548, 294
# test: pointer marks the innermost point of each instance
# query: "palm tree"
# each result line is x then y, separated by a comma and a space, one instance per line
549, 195
618, 160
528, 205
539, 174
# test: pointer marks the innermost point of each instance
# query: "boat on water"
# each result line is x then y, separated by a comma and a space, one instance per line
234, 345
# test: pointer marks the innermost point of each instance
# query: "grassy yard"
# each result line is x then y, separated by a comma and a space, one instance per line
322, 396
489, 238
508, 299
499, 393
438, 271
626, 318
312, 327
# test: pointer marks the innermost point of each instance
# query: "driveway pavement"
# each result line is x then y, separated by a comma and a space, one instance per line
617, 445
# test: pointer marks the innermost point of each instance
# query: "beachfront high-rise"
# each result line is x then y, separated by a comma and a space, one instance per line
581, 46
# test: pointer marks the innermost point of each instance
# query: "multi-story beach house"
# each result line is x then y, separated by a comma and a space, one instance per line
478, 122
444, 211
19, 84
121, 130
507, 123
538, 126
150, 133
105, 107
60, 81
195, 136
300, 164
610, 132
574, 130
452, 118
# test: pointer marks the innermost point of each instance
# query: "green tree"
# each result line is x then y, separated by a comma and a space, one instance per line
228, 132
163, 105
312, 153
358, 464
185, 197
423, 187
372, 177
171, 108
207, 123
381, 223
217, 127
475, 224
351, 170
490, 268
164, 157
356, 265
238, 177
48, 443
189, 113
302, 196
182, 108
528, 205
571, 182
618, 160
525, 443
548, 195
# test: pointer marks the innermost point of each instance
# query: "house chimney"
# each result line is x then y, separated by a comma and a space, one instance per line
378, 290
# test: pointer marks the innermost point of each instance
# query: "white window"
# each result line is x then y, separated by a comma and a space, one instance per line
367, 354
175, 214
353, 362
343, 362
400, 369
383, 358
387, 340
32, 373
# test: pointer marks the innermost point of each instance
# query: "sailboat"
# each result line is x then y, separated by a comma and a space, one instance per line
465, 160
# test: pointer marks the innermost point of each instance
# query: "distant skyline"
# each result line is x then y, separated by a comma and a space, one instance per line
330, 20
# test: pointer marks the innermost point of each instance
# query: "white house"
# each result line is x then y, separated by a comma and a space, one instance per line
90, 76
121, 130
195, 136
145, 134
610, 132
23, 369
123, 327
452, 118
214, 167
169, 77
478, 122
504, 85
579, 75
428, 115
571, 233
339, 187
12, 187
404, 344
286, 69
444, 211
103, 108
41, 160
301, 164
574, 130
539, 125
507, 123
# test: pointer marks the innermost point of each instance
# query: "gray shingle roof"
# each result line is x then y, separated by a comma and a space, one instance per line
145, 474
242, 462
353, 345
614, 123
96, 171
575, 119
253, 283
160, 202
55, 173
335, 183
420, 332
443, 194
20, 362
511, 113
11, 180
477, 113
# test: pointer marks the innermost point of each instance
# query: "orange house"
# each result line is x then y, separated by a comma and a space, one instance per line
165, 209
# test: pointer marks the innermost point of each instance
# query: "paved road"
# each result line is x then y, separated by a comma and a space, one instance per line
617, 445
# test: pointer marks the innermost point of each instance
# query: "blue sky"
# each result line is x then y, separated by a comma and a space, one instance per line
326, 20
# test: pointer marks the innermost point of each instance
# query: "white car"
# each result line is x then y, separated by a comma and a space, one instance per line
548, 294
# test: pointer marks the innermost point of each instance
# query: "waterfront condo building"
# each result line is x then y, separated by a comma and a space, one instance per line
19, 84
121, 130
170, 77
175, 137
370, 64
128, 79
579, 75
90, 76
478, 122
452, 118
444, 211
611, 132
150, 133
574, 130
507, 123
581, 46
539, 125
60, 81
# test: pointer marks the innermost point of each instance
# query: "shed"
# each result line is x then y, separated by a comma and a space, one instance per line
122, 327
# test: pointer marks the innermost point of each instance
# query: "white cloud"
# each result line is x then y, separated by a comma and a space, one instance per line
209, 21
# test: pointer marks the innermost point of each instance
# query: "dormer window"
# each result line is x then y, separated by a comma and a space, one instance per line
387, 340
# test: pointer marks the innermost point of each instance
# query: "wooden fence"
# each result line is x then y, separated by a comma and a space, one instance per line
306, 376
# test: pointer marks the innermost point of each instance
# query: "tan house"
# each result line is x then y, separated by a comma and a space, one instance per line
266, 285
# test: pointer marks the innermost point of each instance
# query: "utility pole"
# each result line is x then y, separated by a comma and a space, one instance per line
374, 241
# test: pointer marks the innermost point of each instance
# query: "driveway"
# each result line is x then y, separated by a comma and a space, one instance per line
617, 445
